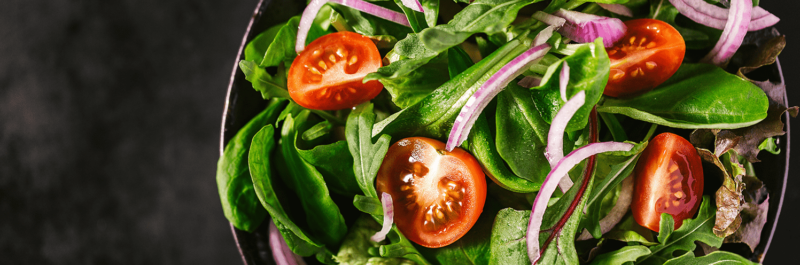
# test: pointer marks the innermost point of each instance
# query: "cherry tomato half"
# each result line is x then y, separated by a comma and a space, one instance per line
668, 179
328, 74
438, 195
650, 52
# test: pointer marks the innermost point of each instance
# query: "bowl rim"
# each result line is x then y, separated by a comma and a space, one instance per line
252, 252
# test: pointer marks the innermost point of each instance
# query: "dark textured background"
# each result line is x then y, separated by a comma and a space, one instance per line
109, 125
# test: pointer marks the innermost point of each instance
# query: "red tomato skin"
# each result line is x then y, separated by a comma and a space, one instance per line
329, 73
456, 166
668, 178
650, 53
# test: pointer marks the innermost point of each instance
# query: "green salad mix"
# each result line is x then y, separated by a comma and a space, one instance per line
566, 107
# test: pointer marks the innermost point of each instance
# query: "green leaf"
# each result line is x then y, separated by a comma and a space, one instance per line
508, 237
562, 249
433, 116
418, 20
282, 47
481, 16
716, 257
630, 231
458, 61
317, 131
625, 254
697, 96
521, 134
356, 245
262, 173
683, 239
367, 156
322, 214
239, 202
482, 146
336, 165
474, 246
770, 145
411, 80
256, 48
368, 205
369, 25
263, 82
588, 72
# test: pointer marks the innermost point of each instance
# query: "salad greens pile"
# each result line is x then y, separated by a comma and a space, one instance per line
313, 172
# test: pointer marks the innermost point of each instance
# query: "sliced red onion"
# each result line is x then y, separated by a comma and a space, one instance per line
549, 19
716, 17
530, 81
564, 80
543, 36
548, 187
583, 28
280, 250
388, 218
617, 212
617, 9
554, 151
413, 4
733, 34
478, 101
313, 8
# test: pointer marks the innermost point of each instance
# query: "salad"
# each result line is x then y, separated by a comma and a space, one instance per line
508, 132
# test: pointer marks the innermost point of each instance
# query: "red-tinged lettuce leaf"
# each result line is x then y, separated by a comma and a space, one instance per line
754, 214
729, 198
763, 55
683, 239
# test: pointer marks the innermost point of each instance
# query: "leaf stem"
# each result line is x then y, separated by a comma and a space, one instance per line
650, 132
329, 117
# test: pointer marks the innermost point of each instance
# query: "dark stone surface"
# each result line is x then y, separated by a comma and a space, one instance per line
109, 125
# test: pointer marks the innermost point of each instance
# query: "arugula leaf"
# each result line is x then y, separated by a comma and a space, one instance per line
322, 215
481, 16
629, 231
683, 239
239, 202
589, 67
336, 165
367, 156
262, 173
270, 87
625, 254
433, 116
697, 96
521, 134
317, 131
717, 257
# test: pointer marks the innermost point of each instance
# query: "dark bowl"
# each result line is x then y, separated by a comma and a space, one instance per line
243, 103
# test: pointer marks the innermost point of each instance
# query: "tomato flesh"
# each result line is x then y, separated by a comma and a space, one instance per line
438, 195
328, 74
650, 53
668, 179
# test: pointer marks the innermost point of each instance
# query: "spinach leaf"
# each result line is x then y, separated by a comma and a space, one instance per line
697, 96
355, 249
411, 80
368, 205
521, 134
716, 257
282, 47
481, 16
239, 202
336, 165
589, 67
683, 239
261, 172
270, 87
322, 214
508, 237
256, 48
481, 144
369, 25
367, 156
625, 254
433, 116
